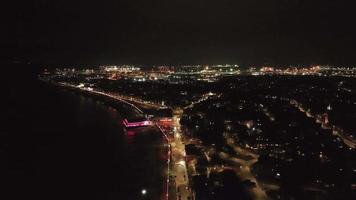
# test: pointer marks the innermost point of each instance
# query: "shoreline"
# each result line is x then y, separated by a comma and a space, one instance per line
113, 101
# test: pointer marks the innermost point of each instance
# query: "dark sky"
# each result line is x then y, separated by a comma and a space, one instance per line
249, 32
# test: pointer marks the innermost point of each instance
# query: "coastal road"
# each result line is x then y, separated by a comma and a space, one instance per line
158, 160
180, 171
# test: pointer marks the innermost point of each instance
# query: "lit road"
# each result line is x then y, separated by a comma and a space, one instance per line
243, 169
179, 170
348, 141
241, 166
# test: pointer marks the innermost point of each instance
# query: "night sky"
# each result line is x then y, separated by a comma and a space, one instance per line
249, 32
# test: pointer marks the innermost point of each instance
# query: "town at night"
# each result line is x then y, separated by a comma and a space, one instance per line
178, 100
234, 132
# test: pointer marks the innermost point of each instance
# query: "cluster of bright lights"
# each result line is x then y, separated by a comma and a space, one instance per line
166, 120
137, 124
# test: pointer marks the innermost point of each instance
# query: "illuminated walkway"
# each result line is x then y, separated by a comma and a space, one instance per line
179, 170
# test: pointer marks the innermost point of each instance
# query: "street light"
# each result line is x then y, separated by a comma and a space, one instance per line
143, 191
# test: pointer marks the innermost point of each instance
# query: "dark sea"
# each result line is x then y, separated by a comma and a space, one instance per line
57, 144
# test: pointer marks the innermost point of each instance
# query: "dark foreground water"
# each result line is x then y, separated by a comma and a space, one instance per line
56, 144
